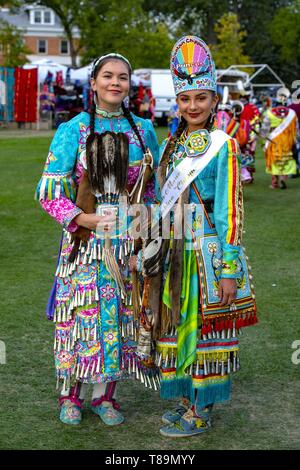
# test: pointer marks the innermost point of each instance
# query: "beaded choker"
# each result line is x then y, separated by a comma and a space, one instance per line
107, 114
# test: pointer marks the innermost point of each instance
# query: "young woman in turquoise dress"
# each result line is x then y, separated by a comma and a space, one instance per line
207, 293
94, 159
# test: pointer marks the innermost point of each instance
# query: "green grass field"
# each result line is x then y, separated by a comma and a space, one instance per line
265, 408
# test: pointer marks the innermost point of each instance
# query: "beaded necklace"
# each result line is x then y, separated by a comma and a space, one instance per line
103, 114
108, 114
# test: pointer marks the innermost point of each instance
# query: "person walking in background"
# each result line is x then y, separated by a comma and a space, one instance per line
279, 128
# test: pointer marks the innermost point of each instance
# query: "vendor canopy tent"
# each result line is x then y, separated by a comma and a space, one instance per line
259, 76
83, 74
44, 66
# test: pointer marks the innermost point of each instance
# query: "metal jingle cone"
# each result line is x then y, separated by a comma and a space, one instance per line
204, 367
93, 368
98, 366
129, 365
172, 360
217, 366
234, 363
120, 257
159, 360
166, 361
95, 251
149, 381
96, 294
154, 383
222, 368
81, 371
228, 366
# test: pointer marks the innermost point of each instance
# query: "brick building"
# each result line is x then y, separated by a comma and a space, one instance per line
43, 33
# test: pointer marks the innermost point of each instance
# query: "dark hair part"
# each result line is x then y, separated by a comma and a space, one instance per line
126, 112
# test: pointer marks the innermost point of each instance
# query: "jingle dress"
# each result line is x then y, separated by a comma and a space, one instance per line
282, 131
94, 327
203, 351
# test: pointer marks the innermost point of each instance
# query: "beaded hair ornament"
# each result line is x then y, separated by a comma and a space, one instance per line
192, 66
112, 55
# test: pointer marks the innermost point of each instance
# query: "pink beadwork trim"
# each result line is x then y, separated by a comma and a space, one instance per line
99, 401
76, 401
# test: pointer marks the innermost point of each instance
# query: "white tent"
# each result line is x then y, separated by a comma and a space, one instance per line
44, 66
83, 74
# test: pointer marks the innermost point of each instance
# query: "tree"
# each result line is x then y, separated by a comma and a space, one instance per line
230, 37
128, 31
107, 25
287, 20
13, 48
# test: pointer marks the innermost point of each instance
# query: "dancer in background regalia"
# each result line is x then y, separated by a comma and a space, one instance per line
279, 128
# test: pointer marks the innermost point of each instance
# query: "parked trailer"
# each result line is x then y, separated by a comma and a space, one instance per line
162, 89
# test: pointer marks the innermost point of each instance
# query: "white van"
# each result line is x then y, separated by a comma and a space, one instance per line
162, 89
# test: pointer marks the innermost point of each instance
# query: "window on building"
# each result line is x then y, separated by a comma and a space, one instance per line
64, 47
37, 16
42, 46
47, 17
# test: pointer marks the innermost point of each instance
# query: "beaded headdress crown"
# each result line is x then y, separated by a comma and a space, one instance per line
192, 66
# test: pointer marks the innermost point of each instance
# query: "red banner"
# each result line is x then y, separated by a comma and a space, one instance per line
25, 100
